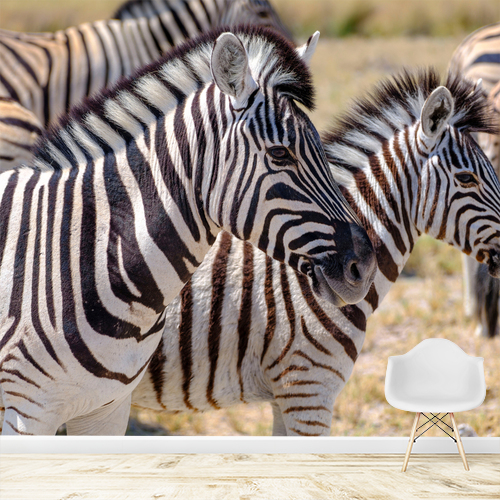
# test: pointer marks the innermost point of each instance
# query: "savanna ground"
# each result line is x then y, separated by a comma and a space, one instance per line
362, 42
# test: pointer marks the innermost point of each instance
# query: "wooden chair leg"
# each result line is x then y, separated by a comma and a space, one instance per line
410, 443
459, 442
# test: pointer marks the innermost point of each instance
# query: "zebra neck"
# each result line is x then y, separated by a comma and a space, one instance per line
175, 229
382, 189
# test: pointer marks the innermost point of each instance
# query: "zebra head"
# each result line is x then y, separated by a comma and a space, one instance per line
284, 198
253, 12
468, 216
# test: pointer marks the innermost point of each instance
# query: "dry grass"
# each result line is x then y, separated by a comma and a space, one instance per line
387, 17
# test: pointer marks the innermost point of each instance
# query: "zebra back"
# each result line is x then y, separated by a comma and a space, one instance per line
179, 19
478, 57
47, 73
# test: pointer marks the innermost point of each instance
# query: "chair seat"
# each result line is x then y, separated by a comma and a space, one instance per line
434, 405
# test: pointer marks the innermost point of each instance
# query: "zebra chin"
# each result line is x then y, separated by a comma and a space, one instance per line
345, 276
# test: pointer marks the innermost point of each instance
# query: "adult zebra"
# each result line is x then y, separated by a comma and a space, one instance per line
172, 21
405, 162
478, 58
47, 73
125, 198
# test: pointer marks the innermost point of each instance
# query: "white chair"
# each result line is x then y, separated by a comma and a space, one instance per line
435, 377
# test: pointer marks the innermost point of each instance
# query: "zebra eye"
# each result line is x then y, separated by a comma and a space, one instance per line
280, 153
263, 14
466, 178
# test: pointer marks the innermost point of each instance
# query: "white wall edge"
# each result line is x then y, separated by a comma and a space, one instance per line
238, 444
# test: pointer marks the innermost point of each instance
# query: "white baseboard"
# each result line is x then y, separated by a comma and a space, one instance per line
239, 444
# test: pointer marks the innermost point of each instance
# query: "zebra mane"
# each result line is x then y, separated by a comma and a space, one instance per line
273, 61
396, 103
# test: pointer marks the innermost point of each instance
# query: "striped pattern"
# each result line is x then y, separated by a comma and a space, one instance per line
268, 337
172, 21
478, 57
19, 130
50, 72
481, 296
128, 194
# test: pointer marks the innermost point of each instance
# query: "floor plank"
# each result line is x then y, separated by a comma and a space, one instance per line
247, 477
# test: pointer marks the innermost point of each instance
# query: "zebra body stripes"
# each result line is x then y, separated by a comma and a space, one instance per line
19, 130
269, 337
125, 198
50, 72
478, 57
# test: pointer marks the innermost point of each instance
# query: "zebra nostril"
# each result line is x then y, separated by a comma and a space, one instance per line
354, 271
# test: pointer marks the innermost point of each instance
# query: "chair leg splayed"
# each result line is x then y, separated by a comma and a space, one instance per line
434, 421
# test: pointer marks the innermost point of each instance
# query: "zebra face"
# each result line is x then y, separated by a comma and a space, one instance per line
285, 200
470, 211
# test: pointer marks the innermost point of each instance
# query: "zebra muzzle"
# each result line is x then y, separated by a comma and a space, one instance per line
345, 276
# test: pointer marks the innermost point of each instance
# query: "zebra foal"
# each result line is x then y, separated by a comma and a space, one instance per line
47, 73
404, 159
124, 199
478, 58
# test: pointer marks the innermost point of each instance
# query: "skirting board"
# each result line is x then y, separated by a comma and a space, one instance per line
239, 444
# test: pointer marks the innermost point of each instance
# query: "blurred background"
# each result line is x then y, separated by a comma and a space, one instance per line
361, 42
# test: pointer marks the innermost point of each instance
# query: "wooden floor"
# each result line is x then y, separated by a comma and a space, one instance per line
247, 477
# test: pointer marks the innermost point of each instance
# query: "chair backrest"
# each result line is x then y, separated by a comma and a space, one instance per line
436, 368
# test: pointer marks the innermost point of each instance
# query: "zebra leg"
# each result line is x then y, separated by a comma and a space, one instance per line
109, 420
486, 312
469, 267
279, 428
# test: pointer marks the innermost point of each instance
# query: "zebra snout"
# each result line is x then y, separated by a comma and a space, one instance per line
360, 262
345, 276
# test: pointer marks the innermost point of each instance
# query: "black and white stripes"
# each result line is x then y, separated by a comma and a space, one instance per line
124, 199
47, 73
404, 160
19, 130
478, 58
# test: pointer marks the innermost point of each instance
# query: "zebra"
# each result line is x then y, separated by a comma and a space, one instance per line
19, 129
47, 73
478, 58
125, 197
172, 21
404, 160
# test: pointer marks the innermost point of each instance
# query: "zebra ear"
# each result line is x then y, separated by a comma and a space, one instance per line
307, 50
230, 69
436, 112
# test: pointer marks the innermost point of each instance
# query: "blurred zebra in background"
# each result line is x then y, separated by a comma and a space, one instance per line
125, 197
478, 58
248, 329
47, 73
172, 21
19, 129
